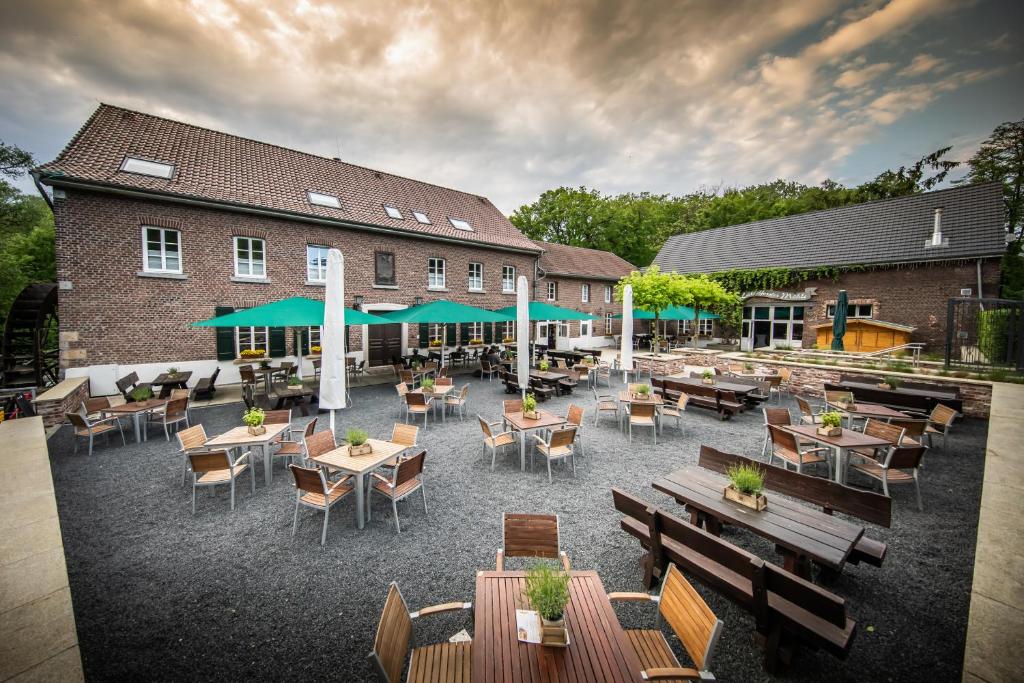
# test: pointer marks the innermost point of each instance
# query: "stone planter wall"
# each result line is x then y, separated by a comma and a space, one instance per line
64, 397
663, 364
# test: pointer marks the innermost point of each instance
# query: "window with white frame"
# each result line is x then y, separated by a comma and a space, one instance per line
460, 224
435, 273
476, 331
250, 257
584, 328
607, 294
392, 212
252, 339
435, 332
552, 291
312, 337
476, 277
508, 278
316, 263
609, 318
156, 169
508, 330
324, 199
705, 326
161, 250
585, 293
421, 217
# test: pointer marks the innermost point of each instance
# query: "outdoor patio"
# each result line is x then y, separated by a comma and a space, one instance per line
160, 593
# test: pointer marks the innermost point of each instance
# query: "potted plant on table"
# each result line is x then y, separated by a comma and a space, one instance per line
643, 391
172, 372
831, 424
476, 341
748, 367
543, 366
547, 589
139, 394
746, 483
889, 382
435, 343
530, 407
507, 340
253, 419
294, 382
588, 359
709, 377
358, 442
427, 384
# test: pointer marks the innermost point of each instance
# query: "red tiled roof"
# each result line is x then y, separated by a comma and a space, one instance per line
216, 166
561, 259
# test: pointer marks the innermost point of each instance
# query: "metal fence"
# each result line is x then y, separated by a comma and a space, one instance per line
985, 334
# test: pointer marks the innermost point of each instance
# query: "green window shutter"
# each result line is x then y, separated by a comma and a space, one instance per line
348, 344
225, 335
277, 342
488, 333
424, 335
464, 333
449, 334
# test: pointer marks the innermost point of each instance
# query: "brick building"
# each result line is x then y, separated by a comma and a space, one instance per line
160, 224
899, 260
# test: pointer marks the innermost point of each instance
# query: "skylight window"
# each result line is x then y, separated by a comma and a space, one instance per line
393, 212
421, 217
150, 168
459, 224
321, 199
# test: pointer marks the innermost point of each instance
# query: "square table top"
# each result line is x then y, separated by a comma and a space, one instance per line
599, 650
179, 377
137, 406
438, 390
801, 529
871, 410
546, 419
361, 464
848, 439
240, 436
626, 397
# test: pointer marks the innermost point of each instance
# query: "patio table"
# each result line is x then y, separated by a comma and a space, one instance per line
239, 437
267, 373
288, 397
799, 532
839, 444
741, 390
359, 466
627, 398
166, 382
870, 410
137, 410
599, 650
439, 392
525, 425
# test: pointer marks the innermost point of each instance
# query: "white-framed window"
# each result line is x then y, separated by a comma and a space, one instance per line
460, 224
161, 250
476, 331
609, 318
155, 169
705, 326
252, 338
435, 273
476, 277
324, 199
771, 325
508, 329
435, 332
250, 257
313, 336
392, 212
316, 263
508, 278
585, 293
552, 291
852, 311
585, 328
607, 294
421, 217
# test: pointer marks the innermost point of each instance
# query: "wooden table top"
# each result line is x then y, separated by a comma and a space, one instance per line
848, 439
546, 419
803, 530
361, 464
286, 391
599, 650
626, 397
240, 436
137, 406
549, 375
931, 393
872, 410
438, 390
178, 378
725, 385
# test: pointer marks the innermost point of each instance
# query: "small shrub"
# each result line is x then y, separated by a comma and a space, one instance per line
892, 381
254, 417
547, 589
141, 394
643, 389
708, 374
747, 479
427, 383
832, 419
294, 382
356, 437
530, 403
543, 365
172, 371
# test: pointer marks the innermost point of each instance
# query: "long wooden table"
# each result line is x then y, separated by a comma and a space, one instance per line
800, 533
741, 390
599, 650
841, 444
360, 466
869, 410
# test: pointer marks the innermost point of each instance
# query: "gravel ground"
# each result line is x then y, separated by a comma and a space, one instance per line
162, 594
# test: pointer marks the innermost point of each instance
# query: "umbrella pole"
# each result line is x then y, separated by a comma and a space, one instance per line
298, 352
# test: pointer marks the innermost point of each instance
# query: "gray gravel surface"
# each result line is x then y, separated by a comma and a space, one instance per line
162, 594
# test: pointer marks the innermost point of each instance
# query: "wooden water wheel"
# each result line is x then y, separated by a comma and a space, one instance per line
31, 355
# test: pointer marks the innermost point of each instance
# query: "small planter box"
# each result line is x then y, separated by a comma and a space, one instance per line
758, 502
364, 449
531, 414
708, 381
250, 361
830, 431
257, 431
554, 633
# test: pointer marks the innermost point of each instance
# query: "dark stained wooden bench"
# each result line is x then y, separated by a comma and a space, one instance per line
787, 609
723, 402
205, 388
864, 391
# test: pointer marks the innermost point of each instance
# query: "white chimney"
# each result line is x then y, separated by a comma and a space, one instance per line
937, 240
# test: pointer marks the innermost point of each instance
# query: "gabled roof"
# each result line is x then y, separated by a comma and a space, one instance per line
879, 232
227, 169
594, 264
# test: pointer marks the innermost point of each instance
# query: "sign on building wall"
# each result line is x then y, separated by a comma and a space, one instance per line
781, 296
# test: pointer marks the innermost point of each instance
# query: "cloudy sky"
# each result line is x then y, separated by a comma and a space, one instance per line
508, 99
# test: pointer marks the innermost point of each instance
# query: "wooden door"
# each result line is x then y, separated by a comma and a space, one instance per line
385, 343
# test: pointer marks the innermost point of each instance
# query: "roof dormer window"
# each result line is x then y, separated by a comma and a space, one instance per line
392, 212
321, 199
459, 224
421, 217
154, 169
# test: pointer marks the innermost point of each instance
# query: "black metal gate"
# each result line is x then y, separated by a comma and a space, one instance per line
985, 334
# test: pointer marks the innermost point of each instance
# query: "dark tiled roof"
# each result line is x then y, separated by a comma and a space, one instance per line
885, 231
216, 166
560, 259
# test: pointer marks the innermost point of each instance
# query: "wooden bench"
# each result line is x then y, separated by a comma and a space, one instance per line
721, 401
205, 388
788, 611
866, 505
900, 400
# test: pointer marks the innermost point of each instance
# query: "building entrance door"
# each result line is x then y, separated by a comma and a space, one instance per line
385, 343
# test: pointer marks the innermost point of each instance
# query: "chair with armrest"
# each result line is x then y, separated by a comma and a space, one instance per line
313, 490
787, 448
215, 467
495, 439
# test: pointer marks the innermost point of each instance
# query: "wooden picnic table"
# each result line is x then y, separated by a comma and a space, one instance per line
137, 409
922, 398
166, 382
800, 533
599, 650
524, 426
360, 466
841, 444
288, 397
239, 437
741, 390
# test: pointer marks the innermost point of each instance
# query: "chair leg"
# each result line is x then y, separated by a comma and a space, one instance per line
75, 437
549, 468
423, 492
295, 517
917, 487
394, 508
90, 443
323, 534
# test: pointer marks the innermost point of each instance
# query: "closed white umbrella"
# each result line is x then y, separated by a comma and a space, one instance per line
626, 352
523, 332
332, 340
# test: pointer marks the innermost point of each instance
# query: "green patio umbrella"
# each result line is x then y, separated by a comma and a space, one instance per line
839, 322
542, 311
672, 313
295, 312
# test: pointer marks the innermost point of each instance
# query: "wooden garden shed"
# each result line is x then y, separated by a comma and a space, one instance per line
866, 335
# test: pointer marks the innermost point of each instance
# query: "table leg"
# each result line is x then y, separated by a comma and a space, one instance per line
840, 465
137, 427
795, 564
360, 501
268, 465
522, 450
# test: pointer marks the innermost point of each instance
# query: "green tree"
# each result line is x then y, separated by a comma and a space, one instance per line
706, 294
654, 291
908, 180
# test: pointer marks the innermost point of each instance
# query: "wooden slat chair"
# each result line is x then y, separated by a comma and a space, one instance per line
605, 403
676, 410
774, 416
642, 415
913, 430
418, 404
495, 439
574, 418
900, 466
487, 370
940, 421
443, 381
457, 401
602, 372
833, 398
808, 415
92, 408
789, 450
175, 412
881, 430
406, 479
129, 383
248, 376
292, 450
530, 535
404, 435
402, 388
283, 417
438, 663
191, 439
510, 405
408, 378
689, 617
317, 444
215, 467
312, 490
206, 386
90, 429
560, 445
785, 380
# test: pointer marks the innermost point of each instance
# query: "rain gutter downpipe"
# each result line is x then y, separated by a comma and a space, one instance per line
42, 190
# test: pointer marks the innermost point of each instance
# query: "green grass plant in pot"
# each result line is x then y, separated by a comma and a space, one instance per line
643, 390
746, 486
358, 442
530, 407
831, 424
294, 382
544, 365
427, 384
141, 394
890, 382
709, 377
547, 589
253, 419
